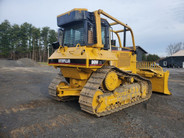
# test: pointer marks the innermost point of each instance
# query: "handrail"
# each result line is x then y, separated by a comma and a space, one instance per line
118, 22
149, 65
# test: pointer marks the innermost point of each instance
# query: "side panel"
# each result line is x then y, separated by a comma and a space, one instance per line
126, 61
75, 73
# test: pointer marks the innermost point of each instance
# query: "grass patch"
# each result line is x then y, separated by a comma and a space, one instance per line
43, 63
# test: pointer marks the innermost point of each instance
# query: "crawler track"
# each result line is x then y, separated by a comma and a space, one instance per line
93, 84
53, 86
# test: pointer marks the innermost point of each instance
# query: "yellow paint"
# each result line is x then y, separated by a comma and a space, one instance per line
75, 73
120, 23
75, 9
78, 74
156, 75
126, 61
119, 40
131, 93
89, 53
95, 102
160, 84
98, 30
69, 92
111, 81
73, 89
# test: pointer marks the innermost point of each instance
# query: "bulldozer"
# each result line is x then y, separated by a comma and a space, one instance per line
104, 76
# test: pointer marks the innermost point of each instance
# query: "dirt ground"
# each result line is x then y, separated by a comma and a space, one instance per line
27, 111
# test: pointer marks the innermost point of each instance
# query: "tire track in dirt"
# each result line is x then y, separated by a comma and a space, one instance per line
39, 128
23, 107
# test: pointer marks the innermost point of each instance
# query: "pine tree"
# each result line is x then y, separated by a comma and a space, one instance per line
5, 44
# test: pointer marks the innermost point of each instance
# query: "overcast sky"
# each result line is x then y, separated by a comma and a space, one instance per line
156, 23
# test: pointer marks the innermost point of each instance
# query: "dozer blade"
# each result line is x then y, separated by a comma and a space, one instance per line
156, 75
160, 84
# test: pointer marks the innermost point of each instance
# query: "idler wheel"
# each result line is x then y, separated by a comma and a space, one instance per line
111, 81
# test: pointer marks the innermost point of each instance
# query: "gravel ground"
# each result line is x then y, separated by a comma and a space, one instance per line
27, 111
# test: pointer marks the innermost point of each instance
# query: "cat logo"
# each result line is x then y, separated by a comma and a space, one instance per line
64, 60
94, 62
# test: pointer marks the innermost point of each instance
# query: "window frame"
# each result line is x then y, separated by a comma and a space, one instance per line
84, 32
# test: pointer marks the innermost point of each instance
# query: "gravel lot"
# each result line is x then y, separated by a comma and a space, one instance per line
27, 111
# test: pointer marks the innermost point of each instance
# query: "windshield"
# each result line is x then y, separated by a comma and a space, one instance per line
74, 34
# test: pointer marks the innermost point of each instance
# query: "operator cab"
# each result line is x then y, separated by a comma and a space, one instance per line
79, 27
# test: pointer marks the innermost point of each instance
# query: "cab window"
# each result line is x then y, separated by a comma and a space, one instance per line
103, 28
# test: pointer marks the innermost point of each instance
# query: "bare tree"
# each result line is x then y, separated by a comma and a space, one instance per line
173, 48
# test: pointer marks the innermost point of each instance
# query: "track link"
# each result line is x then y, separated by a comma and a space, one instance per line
52, 89
93, 85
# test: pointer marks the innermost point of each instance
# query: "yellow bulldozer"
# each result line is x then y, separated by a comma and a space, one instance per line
103, 75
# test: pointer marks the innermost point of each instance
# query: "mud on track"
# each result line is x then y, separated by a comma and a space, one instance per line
27, 111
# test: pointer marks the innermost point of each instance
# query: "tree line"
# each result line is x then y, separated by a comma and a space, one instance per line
150, 57
25, 40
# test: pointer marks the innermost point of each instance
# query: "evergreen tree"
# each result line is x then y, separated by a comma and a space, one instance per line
153, 57
45, 41
5, 44
52, 38
25, 41
35, 42
15, 40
